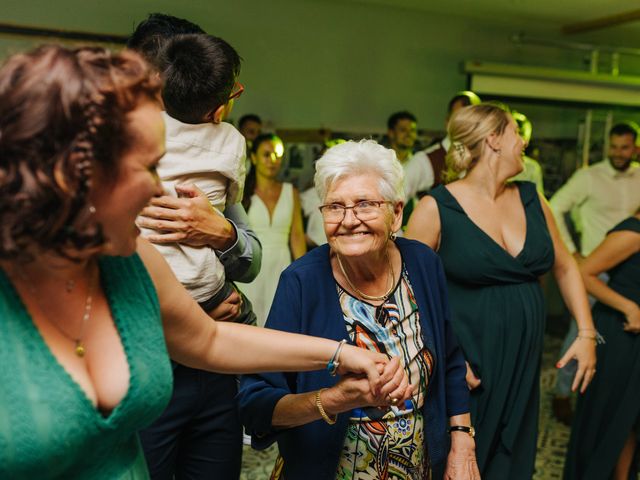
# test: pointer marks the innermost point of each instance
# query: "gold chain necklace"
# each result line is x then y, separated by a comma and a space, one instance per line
363, 295
79, 347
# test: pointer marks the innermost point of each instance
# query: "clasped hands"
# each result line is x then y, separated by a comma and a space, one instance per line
390, 386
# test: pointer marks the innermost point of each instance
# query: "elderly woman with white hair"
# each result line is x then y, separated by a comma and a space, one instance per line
369, 289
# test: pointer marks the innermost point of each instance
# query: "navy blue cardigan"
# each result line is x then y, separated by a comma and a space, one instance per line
306, 301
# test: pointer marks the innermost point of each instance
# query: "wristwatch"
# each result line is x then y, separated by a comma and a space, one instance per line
461, 428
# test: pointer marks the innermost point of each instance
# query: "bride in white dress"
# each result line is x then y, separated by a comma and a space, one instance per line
275, 216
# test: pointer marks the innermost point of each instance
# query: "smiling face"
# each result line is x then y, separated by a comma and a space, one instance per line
118, 201
268, 159
353, 237
622, 149
403, 135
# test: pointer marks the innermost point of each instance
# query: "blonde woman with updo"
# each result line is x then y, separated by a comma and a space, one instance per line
496, 238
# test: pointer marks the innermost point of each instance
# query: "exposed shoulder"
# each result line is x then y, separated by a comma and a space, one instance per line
424, 223
154, 262
428, 205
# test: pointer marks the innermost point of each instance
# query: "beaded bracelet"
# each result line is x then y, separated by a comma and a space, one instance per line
334, 363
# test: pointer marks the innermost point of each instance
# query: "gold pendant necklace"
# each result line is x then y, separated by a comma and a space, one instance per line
80, 350
376, 298
79, 347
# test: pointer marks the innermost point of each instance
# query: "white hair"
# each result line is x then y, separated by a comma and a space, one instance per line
358, 158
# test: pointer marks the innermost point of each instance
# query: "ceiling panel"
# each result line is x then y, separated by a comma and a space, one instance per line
550, 11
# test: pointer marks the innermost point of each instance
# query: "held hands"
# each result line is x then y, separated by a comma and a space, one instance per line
386, 378
583, 349
190, 220
354, 390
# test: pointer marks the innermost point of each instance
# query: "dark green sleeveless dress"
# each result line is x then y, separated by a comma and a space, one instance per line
610, 408
498, 316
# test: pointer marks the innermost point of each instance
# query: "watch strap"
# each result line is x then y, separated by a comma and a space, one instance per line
462, 428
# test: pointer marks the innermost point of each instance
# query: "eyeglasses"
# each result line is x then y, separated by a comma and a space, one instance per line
364, 211
237, 90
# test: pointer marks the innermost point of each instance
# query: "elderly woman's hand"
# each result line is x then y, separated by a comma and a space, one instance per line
386, 377
354, 391
461, 462
583, 349
395, 383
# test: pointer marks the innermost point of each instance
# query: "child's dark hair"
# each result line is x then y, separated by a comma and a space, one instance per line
198, 72
152, 33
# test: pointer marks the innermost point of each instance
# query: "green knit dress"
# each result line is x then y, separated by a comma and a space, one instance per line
610, 408
48, 427
498, 316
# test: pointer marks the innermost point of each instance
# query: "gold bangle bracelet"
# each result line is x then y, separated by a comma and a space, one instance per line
325, 417
585, 337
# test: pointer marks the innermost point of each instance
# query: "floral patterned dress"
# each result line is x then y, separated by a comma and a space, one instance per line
388, 444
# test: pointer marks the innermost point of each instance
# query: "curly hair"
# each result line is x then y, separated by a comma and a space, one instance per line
62, 116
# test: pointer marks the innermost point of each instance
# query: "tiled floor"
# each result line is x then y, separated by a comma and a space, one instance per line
552, 438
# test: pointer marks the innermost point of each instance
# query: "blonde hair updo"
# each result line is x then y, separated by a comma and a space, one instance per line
468, 128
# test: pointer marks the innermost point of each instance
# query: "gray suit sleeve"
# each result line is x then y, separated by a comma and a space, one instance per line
243, 259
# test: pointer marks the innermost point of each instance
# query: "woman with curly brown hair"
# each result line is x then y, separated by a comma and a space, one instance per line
83, 301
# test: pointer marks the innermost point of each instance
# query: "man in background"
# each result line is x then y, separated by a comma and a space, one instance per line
402, 130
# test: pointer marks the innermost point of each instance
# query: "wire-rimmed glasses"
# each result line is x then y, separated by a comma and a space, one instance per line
364, 210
